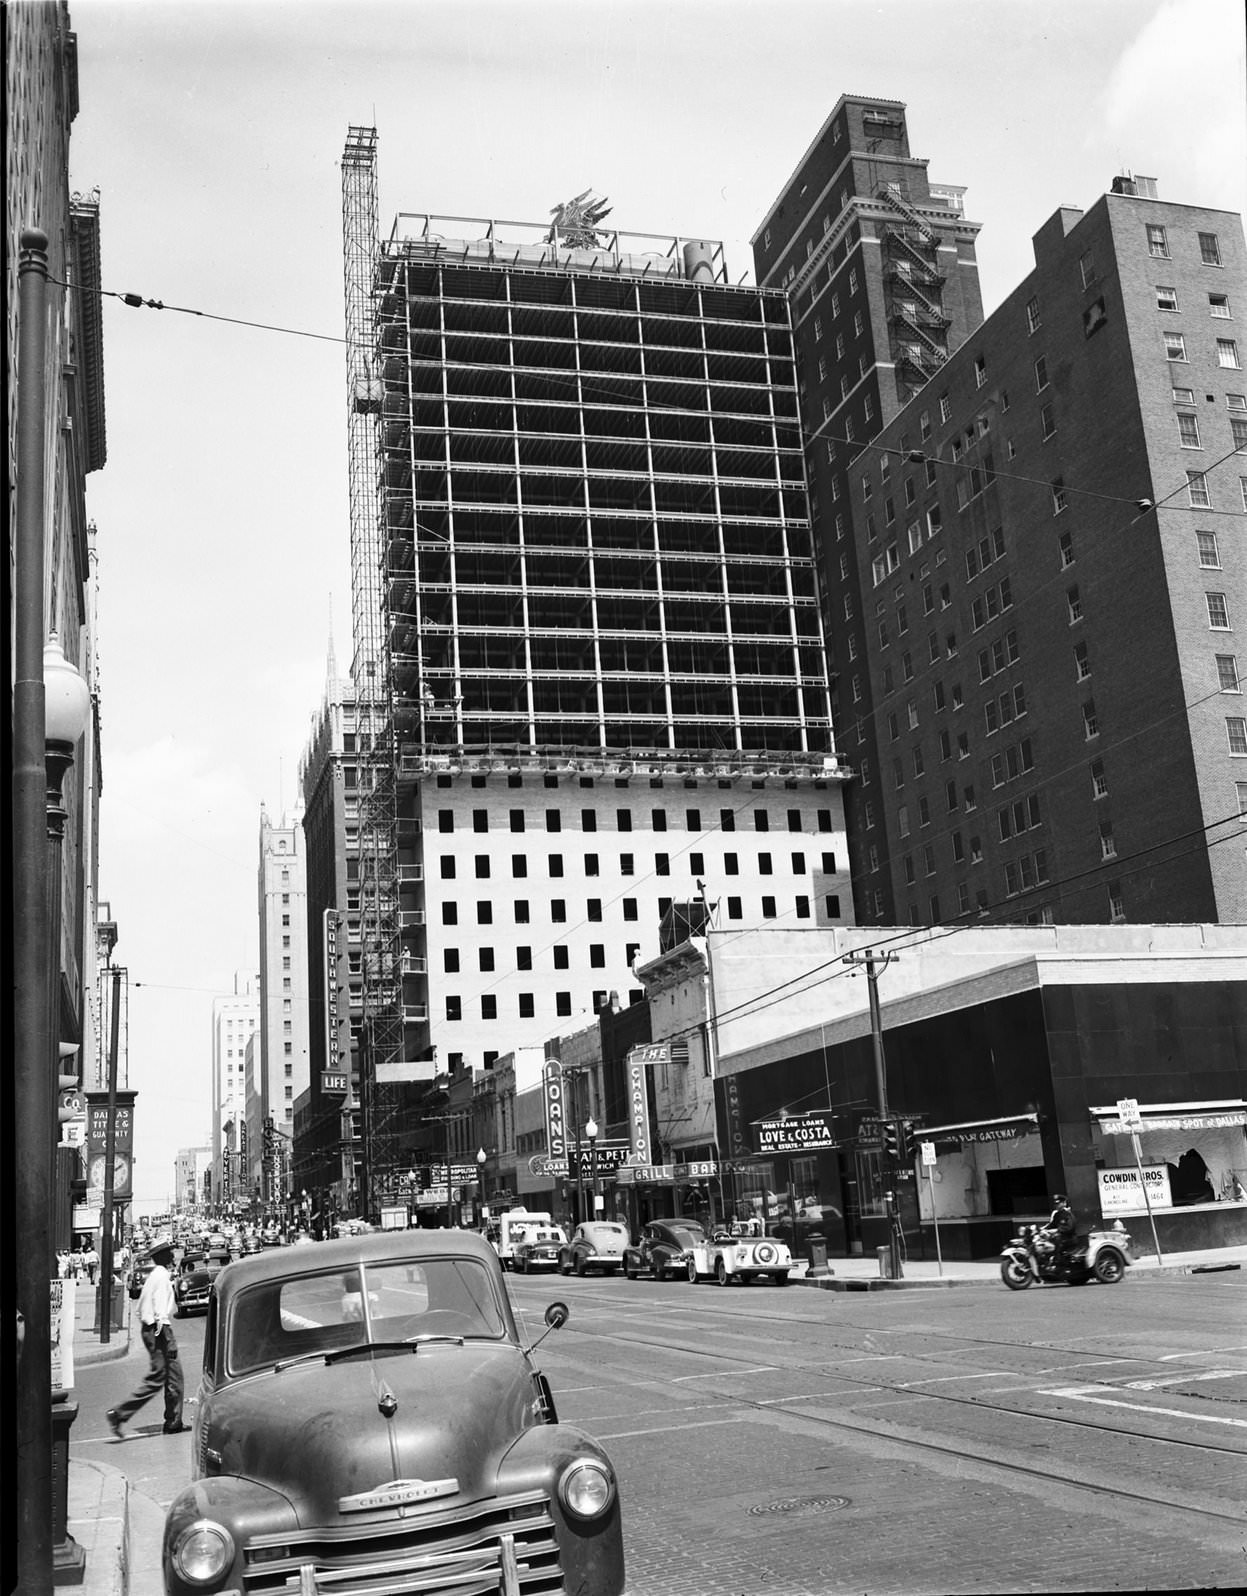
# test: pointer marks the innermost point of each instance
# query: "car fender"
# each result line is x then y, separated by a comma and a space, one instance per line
591, 1553
244, 1506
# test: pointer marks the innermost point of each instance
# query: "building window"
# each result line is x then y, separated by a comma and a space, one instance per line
1197, 490
1218, 612
526, 1006
734, 908
1240, 789
1184, 396
1188, 430
1116, 904
1219, 306
484, 913
593, 908
1166, 298
980, 371
1074, 605
554, 820
519, 866
1227, 353
1047, 421
1099, 781
1033, 322
1236, 733
482, 866
1108, 847
1157, 242
1041, 374
1209, 249
1082, 663
1175, 346
1227, 673
1059, 496
1067, 550
1090, 721
454, 1008
489, 1006
1209, 552
1238, 431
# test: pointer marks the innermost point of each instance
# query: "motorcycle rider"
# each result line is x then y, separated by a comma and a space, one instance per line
1060, 1230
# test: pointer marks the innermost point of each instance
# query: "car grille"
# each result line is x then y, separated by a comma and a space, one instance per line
503, 1547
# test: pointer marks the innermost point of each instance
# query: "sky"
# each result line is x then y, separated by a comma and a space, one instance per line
213, 131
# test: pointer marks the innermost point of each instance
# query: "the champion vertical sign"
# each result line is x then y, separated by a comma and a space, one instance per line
639, 1149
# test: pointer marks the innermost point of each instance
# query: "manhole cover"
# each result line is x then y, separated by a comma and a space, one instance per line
802, 1504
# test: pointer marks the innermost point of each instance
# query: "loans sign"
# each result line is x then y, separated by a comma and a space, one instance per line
795, 1133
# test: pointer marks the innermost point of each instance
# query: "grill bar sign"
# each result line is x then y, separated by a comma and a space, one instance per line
795, 1133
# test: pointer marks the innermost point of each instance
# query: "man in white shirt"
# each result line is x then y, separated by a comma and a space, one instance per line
156, 1305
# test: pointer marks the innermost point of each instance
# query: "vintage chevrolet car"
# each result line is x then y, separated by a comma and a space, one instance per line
728, 1258
369, 1419
664, 1248
192, 1285
597, 1244
539, 1249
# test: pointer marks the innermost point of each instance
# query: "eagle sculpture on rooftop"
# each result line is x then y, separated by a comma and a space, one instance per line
577, 222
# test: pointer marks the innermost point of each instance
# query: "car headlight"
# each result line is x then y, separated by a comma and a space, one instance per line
202, 1552
587, 1489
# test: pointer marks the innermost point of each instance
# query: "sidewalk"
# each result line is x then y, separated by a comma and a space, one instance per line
101, 1503
119, 1528
863, 1274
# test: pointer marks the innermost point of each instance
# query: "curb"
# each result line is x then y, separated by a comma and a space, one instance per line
868, 1283
99, 1520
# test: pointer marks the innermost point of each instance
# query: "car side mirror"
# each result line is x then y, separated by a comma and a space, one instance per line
556, 1316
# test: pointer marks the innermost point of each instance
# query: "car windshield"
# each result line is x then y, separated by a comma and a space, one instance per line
278, 1320
686, 1235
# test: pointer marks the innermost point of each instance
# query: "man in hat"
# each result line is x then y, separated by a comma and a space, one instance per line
156, 1304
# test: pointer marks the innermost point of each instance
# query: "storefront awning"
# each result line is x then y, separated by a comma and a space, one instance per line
980, 1130
1173, 1117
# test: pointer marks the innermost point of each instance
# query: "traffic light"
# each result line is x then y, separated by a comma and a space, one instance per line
898, 1140
891, 1138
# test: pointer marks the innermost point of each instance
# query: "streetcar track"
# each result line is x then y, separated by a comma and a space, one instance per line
957, 1340
899, 1435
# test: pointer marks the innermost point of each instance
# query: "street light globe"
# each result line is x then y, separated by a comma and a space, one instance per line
67, 698
480, 1157
591, 1129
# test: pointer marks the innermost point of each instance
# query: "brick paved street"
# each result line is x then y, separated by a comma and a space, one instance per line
723, 1498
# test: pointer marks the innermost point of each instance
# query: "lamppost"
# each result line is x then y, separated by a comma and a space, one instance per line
480, 1182
591, 1131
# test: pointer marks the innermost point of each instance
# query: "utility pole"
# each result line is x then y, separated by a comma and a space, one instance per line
867, 961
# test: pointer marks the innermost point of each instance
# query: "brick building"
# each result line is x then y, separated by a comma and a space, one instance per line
879, 265
1053, 677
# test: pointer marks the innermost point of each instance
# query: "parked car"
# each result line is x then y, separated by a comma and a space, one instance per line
597, 1244
192, 1285
540, 1248
727, 1259
368, 1416
664, 1248
139, 1271
270, 1236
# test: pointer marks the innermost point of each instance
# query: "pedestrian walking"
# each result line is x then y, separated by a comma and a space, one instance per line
156, 1305
92, 1261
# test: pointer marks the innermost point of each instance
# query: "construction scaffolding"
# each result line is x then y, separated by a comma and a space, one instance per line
382, 1041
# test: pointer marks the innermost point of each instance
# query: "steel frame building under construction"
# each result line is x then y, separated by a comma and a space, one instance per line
585, 607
